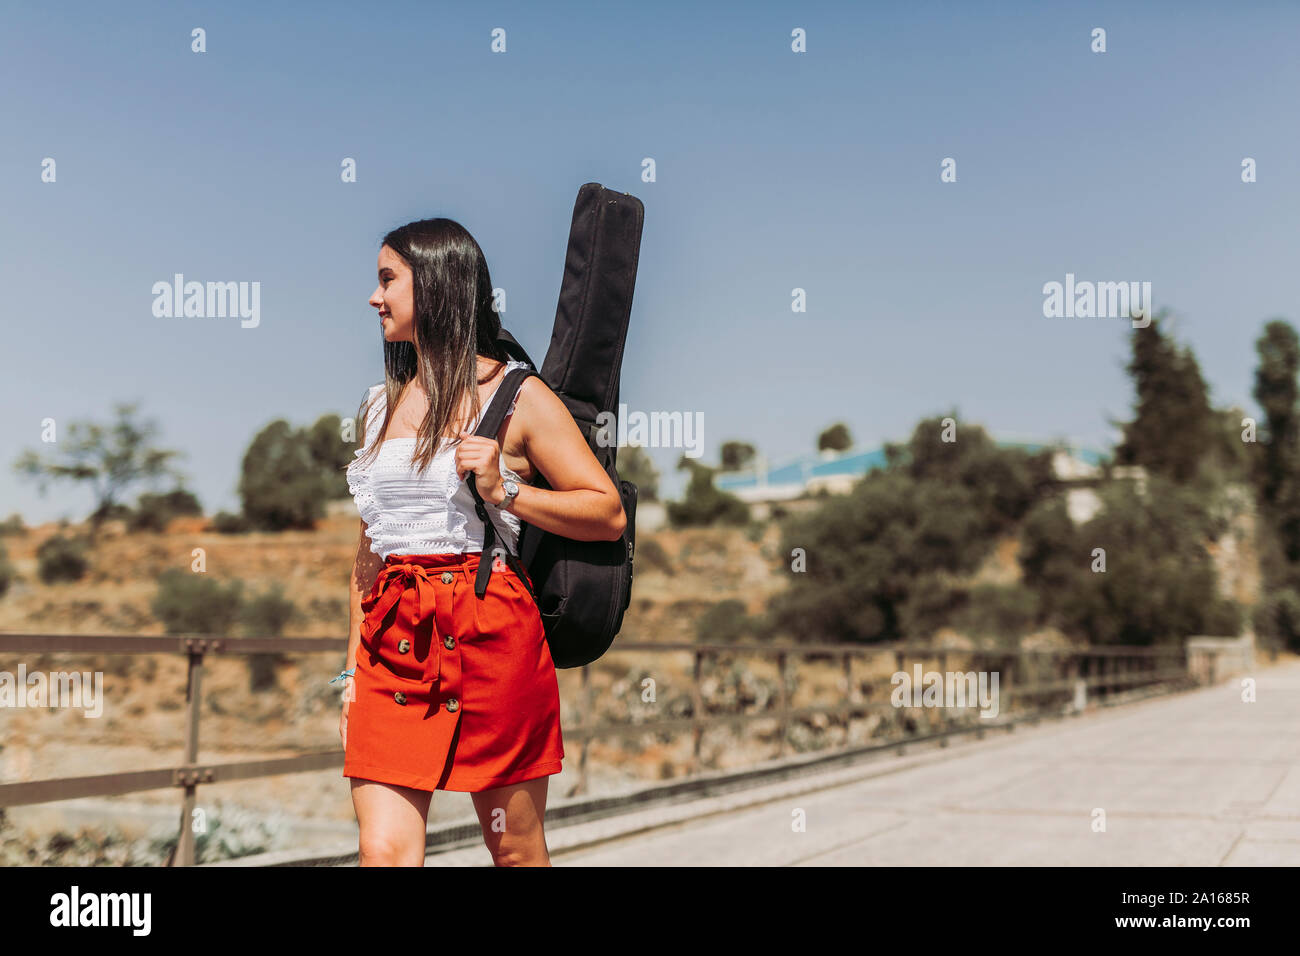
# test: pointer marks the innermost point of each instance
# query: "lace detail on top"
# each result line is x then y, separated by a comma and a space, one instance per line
428, 512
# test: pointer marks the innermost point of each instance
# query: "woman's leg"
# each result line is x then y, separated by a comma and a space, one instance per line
393, 822
511, 818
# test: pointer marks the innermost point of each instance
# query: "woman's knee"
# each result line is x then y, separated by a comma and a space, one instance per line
392, 821
525, 846
519, 853
380, 847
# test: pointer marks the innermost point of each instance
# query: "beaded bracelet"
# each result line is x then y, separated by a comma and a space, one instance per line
343, 674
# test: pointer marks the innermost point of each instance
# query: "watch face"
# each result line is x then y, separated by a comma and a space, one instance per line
511, 488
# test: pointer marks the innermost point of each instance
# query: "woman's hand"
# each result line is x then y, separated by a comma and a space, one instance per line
481, 456
343, 717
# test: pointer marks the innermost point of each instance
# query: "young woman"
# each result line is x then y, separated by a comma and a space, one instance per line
450, 691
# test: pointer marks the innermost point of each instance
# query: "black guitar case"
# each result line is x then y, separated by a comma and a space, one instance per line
583, 587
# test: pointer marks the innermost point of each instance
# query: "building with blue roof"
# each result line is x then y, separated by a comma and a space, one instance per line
837, 472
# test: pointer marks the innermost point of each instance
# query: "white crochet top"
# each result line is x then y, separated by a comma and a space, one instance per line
429, 512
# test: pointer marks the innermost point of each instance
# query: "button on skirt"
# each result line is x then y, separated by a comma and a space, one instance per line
452, 692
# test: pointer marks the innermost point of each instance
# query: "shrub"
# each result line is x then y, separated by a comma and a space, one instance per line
866, 551
190, 603
932, 602
226, 523
62, 559
266, 615
1223, 618
13, 525
7, 571
154, 511
879, 556
651, 554
703, 504
724, 623
1159, 584
114, 511
1050, 549
634, 465
1005, 612
1277, 618
231, 832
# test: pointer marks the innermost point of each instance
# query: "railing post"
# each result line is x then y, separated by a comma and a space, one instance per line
194, 702
848, 696
1004, 686
899, 658
588, 719
947, 718
782, 700
697, 711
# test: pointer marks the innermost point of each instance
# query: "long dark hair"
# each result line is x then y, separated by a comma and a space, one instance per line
453, 323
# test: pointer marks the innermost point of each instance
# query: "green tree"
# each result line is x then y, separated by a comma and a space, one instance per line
1005, 612
1277, 473
866, 551
1050, 549
1158, 583
882, 561
1174, 425
288, 474
1277, 619
835, 438
736, 456
634, 465
703, 504
330, 453
1276, 392
110, 459
1004, 482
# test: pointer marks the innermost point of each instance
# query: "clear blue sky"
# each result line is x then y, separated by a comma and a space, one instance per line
775, 170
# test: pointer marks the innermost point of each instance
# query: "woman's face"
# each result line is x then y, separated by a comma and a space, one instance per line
394, 298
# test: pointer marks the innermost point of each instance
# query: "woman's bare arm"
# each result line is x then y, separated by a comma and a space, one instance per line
582, 502
365, 568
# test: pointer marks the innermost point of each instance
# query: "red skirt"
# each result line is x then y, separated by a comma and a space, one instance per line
452, 692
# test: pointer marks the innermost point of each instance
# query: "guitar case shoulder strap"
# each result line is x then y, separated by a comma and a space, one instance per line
488, 427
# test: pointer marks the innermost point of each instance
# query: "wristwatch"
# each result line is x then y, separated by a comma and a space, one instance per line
512, 489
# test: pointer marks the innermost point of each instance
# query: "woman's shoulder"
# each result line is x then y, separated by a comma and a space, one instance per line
529, 386
372, 409
537, 407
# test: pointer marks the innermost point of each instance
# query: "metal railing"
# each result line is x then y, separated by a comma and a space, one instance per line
1060, 678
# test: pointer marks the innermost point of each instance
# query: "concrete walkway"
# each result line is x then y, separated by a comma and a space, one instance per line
1195, 779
